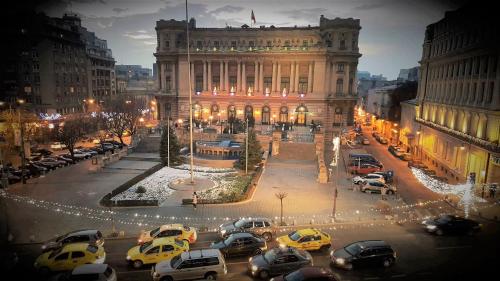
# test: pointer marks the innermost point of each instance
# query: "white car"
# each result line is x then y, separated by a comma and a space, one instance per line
368, 178
57, 146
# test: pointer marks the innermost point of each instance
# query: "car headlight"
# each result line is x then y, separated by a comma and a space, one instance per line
129, 258
431, 227
282, 245
44, 247
139, 241
255, 268
340, 260
223, 231
250, 259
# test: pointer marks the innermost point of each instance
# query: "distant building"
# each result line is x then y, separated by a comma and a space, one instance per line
410, 74
133, 72
363, 75
367, 82
155, 71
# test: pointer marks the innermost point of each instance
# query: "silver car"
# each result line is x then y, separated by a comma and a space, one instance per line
196, 264
92, 236
88, 272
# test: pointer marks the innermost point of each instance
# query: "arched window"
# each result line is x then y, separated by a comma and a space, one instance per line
266, 115
284, 114
301, 112
248, 112
337, 117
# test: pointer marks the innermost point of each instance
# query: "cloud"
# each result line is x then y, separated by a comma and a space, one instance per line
102, 25
120, 10
150, 43
308, 15
369, 6
227, 9
139, 35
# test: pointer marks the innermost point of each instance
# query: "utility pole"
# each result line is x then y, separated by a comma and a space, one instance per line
168, 140
191, 160
246, 149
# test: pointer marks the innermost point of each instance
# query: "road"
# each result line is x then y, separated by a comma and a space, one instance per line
421, 256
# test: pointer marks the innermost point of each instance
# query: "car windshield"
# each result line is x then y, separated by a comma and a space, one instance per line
353, 249
240, 223
294, 236
443, 219
145, 246
269, 256
294, 276
154, 232
174, 263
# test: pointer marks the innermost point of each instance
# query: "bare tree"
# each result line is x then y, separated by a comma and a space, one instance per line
121, 116
281, 196
72, 131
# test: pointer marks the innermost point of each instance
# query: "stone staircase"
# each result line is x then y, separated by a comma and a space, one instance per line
148, 144
296, 151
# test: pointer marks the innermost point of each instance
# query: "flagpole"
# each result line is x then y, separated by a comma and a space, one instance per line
190, 100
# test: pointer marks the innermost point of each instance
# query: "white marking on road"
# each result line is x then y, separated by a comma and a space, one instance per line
454, 247
398, 275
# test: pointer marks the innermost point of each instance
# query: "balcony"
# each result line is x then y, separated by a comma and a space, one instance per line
487, 145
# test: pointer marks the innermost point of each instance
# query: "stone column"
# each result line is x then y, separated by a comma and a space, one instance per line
174, 82
355, 80
238, 78
204, 76
297, 66
209, 76
163, 77
221, 76
278, 78
328, 76
192, 77
243, 78
309, 78
256, 77
346, 78
273, 83
261, 79
292, 77
226, 77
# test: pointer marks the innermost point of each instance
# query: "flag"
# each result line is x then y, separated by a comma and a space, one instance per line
253, 18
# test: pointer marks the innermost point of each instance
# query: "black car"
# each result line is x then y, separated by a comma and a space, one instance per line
65, 158
48, 165
35, 170
363, 254
451, 224
76, 157
278, 261
11, 177
43, 151
240, 244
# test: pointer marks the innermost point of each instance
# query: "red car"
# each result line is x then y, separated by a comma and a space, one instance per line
364, 168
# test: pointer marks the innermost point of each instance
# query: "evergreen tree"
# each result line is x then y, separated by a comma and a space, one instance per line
254, 152
175, 157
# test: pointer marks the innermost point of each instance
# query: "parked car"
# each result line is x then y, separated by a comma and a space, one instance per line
65, 158
57, 145
357, 158
156, 251
240, 244
309, 239
85, 154
35, 170
406, 156
11, 177
375, 134
388, 175
308, 273
259, 226
368, 178
377, 187
42, 151
69, 257
278, 261
396, 151
48, 165
365, 141
363, 168
58, 163
451, 224
88, 150
76, 156
87, 272
92, 236
195, 264
360, 254
176, 230
382, 140
417, 164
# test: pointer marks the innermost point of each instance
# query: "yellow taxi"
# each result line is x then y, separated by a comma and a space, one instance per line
309, 239
69, 256
177, 230
155, 251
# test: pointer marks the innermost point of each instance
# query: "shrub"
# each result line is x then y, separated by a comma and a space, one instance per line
141, 189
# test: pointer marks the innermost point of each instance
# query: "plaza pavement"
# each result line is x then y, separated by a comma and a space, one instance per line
80, 187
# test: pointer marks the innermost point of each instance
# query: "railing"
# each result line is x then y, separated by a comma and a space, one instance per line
488, 145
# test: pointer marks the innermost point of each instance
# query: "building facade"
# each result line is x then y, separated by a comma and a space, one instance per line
287, 74
409, 74
458, 101
136, 72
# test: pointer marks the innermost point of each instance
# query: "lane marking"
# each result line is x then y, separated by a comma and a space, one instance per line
454, 247
398, 275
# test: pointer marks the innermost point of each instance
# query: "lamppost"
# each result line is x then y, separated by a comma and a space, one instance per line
246, 150
168, 140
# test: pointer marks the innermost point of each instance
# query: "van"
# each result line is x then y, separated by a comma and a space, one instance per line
196, 264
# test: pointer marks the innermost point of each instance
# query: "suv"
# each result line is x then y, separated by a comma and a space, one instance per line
91, 236
195, 264
259, 226
363, 253
376, 186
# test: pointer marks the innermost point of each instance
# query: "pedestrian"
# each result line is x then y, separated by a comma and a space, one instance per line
383, 192
493, 190
195, 200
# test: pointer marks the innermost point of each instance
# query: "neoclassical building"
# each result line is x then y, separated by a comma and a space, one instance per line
457, 110
286, 74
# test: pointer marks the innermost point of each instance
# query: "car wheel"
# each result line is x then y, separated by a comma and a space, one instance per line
44, 271
325, 248
257, 252
264, 274
268, 236
211, 276
137, 264
439, 232
388, 262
